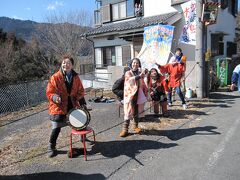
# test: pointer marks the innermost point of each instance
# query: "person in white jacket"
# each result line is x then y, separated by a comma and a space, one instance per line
236, 78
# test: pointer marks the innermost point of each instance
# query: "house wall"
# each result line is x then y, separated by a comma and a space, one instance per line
105, 2
104, 42
226, 23
157, 7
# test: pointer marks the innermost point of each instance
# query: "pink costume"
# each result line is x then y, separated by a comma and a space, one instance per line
135, 93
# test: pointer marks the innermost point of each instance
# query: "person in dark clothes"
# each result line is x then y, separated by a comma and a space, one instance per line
118, 86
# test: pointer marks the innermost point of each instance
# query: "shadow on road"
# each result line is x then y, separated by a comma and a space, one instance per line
129, 148
175, 114
54, 175
200, 105
177, 134
217, 95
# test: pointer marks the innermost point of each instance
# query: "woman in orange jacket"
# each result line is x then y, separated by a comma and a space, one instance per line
64, 90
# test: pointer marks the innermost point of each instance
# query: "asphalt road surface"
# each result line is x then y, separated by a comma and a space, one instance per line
207, 146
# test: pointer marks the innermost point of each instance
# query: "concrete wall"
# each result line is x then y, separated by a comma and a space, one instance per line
116, 73
96, 84
102, 75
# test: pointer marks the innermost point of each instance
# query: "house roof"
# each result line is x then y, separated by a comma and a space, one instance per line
136, 23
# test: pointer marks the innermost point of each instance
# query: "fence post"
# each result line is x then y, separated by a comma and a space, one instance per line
26, 86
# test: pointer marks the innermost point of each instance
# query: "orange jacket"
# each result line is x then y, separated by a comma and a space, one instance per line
175, 71
56, 86
164, 83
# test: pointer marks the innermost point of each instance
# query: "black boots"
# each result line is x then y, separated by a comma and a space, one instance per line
52, 142
51, 150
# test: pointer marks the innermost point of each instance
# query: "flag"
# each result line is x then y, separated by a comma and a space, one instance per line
156, 45
188, 35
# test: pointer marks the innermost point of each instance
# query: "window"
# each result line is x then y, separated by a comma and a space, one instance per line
231, 49
122, 10
97, 17
138, 8
126, 54
109, 56
115, 11
233, 7
119, 11
130, 8
217, 44
105, 13
224, 4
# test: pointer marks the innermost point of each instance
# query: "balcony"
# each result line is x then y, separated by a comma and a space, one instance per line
118, 11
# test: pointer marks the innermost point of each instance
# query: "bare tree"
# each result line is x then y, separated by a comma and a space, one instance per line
62, 33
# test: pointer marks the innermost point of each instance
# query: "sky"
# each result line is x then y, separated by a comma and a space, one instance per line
38, 10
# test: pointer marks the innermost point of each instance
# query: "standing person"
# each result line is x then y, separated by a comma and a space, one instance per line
175, 71
64, 90
157, 92
135, 93
118, 86
179, 57
236, 78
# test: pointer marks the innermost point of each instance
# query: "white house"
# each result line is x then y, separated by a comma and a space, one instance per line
119, 27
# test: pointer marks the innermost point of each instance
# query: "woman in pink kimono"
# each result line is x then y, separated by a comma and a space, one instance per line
135, 93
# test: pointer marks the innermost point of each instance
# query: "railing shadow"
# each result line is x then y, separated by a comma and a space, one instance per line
177, 134
175, 114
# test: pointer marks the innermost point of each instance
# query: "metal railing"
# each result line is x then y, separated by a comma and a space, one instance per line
22, 95
26, 94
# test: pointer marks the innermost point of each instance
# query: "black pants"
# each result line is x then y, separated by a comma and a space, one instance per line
54, 136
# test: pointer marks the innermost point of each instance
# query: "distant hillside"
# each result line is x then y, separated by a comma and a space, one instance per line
23, 28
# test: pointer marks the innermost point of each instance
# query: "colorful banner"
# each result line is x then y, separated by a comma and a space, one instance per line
188, 35
156, 45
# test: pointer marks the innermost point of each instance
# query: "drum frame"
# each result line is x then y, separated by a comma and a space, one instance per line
85, 125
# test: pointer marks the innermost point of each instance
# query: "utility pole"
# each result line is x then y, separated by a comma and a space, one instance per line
199, 51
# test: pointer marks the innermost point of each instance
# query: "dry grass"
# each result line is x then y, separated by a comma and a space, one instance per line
24, 113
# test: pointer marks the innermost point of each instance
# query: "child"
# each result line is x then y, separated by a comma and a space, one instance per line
157, 91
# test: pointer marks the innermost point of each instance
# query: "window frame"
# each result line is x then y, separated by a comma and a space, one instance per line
119, 11
99, 22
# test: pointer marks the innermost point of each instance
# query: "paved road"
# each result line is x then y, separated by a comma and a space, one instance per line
209, 151
206, 147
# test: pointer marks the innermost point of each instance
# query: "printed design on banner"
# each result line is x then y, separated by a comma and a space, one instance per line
156, 45
188, 35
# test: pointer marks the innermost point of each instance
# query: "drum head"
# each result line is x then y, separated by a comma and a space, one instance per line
78, 119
